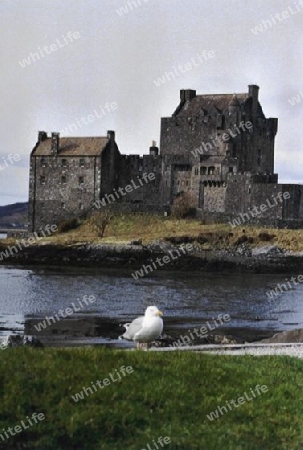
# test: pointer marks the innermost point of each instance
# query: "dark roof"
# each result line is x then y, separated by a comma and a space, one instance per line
209, 102
78, 146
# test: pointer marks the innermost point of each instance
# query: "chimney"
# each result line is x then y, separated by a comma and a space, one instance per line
55, 144
187, 95
42, 135
111, 135
253, 91
154, 150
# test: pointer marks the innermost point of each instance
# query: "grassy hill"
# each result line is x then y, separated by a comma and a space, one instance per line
14, 216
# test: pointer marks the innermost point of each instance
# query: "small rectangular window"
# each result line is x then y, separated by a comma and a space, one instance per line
63, 205
43, 162
82, 162
63, 180
81, 181
42, 179
63, 162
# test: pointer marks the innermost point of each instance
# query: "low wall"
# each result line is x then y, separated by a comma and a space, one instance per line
235, 220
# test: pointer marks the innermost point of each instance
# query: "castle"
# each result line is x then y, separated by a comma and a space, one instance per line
218, 149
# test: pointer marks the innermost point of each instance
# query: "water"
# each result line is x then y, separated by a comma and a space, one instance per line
187, 300
3, 235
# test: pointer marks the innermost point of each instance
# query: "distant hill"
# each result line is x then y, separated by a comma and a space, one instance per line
14, 216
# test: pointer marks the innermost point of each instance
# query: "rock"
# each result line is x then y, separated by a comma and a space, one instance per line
15, 340
244, 250
138, 242
226, 339
161, 247
267, 250
286, 337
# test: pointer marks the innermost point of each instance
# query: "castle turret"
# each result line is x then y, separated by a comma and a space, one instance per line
154, 150
187, 95
42, 135
55, 143
253, 91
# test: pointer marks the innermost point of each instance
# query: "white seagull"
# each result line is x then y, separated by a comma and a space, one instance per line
145, 329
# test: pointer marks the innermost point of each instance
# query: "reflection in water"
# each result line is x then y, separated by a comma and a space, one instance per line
188, 300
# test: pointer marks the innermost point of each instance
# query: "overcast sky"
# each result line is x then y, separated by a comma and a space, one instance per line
113, 57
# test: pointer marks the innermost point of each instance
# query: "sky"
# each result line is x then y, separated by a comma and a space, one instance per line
96, 64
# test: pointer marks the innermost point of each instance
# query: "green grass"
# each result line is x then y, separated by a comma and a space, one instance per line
168, 394
127, 227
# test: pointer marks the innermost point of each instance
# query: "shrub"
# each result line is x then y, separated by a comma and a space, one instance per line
266, 236
241, 240
183, 206
67, 225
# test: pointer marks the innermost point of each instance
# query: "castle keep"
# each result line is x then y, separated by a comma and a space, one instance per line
218, 149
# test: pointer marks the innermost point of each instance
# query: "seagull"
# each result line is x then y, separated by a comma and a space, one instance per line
145, 329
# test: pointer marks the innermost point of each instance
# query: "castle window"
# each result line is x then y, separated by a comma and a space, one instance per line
203, 170
43, 162
183, 168
82, 162
81, 206
42, 179
231, 169
63, 162
186, 182
196, 171
63, 205
81, 181
220, 122
63, 180
211, 170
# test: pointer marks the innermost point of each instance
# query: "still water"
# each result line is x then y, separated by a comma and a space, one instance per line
188, 300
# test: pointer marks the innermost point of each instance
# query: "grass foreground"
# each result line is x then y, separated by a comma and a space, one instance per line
165, 395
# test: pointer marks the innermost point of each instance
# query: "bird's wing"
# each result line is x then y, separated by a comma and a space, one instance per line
133, 328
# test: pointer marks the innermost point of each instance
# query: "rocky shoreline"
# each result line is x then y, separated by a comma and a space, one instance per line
265, 259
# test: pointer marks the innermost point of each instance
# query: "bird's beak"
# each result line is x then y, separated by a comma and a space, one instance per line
159, 313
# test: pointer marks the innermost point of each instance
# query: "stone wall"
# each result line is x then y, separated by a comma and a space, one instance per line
214, 198
61, 188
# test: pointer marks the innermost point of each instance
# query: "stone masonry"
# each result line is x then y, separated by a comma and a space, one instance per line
217, 148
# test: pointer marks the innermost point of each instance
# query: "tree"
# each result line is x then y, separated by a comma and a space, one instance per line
101, 220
